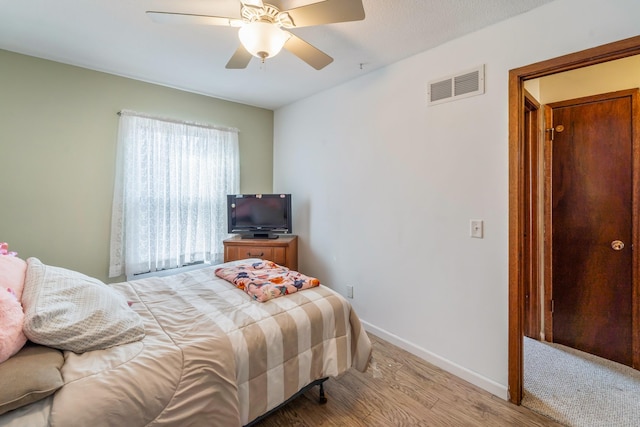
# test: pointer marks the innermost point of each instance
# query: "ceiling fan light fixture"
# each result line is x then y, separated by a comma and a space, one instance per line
262, 39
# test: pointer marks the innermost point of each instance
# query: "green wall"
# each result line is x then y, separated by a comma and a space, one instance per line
58, 128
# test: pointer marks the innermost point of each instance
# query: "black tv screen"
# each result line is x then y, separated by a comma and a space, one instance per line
259, 215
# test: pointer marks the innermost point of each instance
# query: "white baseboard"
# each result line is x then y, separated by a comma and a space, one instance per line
449, 366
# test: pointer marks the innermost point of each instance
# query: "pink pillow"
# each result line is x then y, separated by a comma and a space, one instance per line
12, 276
12, 273
12, 339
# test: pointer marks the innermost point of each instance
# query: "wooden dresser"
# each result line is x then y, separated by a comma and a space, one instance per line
282, 251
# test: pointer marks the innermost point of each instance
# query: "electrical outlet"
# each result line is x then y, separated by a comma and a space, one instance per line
349, 291
477, 228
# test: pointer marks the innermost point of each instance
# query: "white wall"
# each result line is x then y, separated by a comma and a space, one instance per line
384, 186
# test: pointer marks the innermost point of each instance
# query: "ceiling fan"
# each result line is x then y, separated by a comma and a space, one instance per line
263, 28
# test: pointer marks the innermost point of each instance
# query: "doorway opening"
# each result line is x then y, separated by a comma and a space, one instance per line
521, 256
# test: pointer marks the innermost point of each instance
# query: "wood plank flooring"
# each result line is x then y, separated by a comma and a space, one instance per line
400, 389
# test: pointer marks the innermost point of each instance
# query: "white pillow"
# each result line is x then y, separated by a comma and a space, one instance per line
67, 310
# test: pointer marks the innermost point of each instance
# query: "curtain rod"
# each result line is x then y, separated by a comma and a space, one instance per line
177, 121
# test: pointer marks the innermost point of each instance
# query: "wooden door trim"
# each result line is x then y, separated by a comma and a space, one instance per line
532, 322
548, 247
517, 192
635, 231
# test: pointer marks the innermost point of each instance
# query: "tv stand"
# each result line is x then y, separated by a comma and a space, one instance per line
259, 236
282, 251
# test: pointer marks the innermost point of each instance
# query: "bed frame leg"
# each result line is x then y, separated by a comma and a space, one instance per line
322, 400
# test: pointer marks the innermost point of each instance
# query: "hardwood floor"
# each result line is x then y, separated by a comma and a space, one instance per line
400, 389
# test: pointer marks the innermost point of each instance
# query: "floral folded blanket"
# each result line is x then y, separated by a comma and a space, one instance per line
264, 280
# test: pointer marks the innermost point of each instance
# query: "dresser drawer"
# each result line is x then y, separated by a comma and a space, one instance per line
282, 251
277, 255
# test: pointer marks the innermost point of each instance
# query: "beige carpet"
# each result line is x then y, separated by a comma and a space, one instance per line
579, 389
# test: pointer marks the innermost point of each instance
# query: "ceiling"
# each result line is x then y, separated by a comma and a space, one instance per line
118, 38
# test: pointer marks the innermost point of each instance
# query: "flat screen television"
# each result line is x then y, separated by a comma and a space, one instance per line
259, 216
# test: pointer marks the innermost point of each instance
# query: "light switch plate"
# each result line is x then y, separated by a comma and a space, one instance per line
477, 228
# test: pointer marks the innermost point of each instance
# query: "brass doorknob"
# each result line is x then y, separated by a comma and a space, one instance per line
617, 245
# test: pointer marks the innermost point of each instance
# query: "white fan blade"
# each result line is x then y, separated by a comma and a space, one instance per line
186, 18
240, 59
254, 3
327, 12
309, 54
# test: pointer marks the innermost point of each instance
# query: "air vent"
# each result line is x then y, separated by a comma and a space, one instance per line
461, 85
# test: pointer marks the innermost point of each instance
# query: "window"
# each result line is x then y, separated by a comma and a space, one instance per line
169, 204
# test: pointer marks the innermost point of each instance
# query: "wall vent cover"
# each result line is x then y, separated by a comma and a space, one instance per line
457, 86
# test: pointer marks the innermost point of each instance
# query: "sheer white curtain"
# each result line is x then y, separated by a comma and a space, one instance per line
169, 204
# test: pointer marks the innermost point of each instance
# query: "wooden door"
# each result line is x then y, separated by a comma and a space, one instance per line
592, 225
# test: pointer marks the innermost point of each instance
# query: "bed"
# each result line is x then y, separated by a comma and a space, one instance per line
201, 352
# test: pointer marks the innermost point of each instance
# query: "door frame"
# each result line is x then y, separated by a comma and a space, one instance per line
531, 265
518, 194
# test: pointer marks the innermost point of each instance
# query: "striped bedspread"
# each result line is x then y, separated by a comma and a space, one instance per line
285, 343
211, 355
